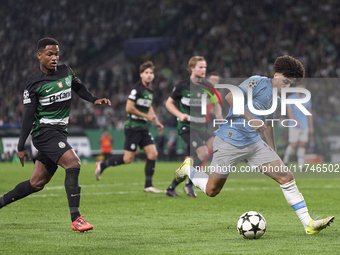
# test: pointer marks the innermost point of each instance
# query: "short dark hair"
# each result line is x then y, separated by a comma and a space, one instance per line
146, 65
214, 73
46, 41
289, 67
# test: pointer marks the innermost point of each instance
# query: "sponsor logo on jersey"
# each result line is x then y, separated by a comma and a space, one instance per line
62, 95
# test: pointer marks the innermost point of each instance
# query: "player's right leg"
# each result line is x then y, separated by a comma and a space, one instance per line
40, 177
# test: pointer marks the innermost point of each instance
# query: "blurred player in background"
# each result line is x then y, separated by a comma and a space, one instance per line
298, 135
236, 142
191, 124
140, 111
47, 100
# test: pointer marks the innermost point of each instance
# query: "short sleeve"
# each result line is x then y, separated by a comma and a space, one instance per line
176, 93
30, 96
134, 94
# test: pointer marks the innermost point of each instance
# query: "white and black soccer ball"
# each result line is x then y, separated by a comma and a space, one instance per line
251, 225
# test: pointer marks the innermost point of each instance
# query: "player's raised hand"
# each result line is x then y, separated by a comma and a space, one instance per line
22, 155
102, 101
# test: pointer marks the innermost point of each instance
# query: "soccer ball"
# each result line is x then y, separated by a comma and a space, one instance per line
251, 225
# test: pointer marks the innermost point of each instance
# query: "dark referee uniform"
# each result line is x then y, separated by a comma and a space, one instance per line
189, 97
47, 101
136, 128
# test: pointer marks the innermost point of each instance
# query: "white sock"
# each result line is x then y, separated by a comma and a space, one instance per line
199, 179
289, 151
301, 156
296, 201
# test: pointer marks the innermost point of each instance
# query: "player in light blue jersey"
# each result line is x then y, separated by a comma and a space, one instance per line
239, 139
298, 135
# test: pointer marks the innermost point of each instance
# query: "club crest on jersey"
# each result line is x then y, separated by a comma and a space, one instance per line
60, 84
61, 145
68, 81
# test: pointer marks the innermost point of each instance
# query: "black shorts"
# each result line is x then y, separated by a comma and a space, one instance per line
133, 138
51, 145
195, 139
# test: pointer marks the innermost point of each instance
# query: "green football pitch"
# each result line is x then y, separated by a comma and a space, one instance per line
128, 221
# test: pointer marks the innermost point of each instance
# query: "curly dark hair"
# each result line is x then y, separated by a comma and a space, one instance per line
289, 67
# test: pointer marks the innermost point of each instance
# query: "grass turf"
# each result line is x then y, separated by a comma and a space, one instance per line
128, 221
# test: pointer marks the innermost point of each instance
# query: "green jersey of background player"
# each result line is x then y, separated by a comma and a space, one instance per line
140, 111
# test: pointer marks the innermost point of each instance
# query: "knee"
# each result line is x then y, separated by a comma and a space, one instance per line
73, 163
38, 185
202, 155
128, 159
153, 155
76, 163
213, 192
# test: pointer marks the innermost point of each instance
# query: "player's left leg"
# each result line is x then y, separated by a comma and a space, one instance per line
151, 154
280, 173
40, 177
71, 163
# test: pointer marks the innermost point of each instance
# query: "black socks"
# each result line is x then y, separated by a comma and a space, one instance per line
112, 161
73, 191
149, 171
22, 190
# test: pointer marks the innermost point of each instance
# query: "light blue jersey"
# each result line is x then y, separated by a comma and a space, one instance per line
299, 116
242, 134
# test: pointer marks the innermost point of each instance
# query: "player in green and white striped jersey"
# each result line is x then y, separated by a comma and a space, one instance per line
192, 124
140, 112
47, 100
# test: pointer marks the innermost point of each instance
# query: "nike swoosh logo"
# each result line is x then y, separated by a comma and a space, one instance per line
48, 90
215, 151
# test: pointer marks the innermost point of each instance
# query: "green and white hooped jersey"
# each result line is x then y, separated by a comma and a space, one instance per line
189, 97
51, 95
142, 97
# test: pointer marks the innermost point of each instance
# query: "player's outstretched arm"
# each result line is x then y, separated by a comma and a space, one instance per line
102, 101
26, 128
131, 108
156, 120
171, 107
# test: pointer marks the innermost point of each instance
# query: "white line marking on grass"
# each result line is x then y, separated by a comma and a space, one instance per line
157, 183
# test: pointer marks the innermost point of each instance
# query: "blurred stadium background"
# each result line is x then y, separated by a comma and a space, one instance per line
106, 41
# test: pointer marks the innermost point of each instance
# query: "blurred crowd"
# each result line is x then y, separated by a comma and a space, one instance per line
237, 38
